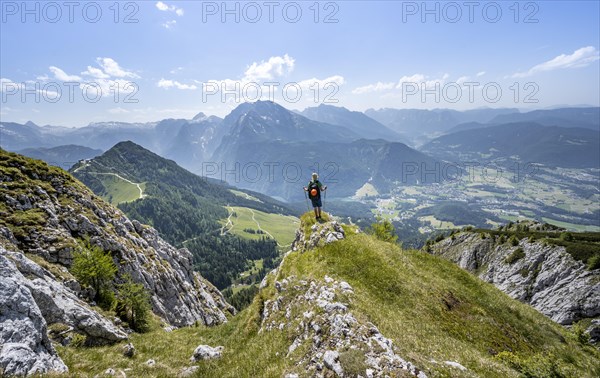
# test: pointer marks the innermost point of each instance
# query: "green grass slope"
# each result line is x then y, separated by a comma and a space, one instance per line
432, 310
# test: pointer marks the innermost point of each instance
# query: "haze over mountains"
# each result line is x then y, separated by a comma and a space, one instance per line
264, 147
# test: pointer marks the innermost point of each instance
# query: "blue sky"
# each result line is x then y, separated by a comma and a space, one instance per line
179, 57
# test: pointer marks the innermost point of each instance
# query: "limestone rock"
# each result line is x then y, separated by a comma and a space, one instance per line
547, 277
206, 352
25, 347
58, 304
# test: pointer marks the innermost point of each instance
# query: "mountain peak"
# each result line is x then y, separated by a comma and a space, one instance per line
200, 117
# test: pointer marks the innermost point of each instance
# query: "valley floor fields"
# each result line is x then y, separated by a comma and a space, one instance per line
568, 198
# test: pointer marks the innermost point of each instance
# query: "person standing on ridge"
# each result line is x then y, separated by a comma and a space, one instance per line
314, 190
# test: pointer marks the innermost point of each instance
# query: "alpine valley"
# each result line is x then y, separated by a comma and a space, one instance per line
452, 244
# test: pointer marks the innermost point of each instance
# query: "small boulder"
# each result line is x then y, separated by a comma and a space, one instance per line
206, 352
129, 350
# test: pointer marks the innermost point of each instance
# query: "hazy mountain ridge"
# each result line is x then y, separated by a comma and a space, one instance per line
266, 135
421, 125
61, 156
358, 122
525, 142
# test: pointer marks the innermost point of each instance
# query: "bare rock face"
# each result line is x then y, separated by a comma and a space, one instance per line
547, 277
25, 347
59, 304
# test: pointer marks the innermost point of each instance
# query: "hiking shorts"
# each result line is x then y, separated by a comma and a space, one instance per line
316, 202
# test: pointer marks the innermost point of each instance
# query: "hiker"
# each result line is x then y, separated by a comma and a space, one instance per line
314, 190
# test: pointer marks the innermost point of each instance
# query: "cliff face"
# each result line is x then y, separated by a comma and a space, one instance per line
44, 214
538, 273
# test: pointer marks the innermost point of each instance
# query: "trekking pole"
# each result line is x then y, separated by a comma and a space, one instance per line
306, 198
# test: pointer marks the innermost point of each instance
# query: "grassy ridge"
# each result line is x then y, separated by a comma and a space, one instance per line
432, 309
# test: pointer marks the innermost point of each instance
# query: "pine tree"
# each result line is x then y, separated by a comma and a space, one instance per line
134, 304
94, 268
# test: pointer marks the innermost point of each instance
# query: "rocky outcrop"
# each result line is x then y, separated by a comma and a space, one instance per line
60, 305
317, 314
25, 348
543, 275
320, 234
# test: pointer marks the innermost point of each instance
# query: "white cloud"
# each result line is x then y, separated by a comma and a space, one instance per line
163, 83
112, 68
377, 87
109, 68
169, 8
169, 24
254, 75
481, 73
275, 66
176, 70
95, 72
579, 58
254, 83
62, 76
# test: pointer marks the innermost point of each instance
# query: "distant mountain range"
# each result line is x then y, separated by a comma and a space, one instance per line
422, 125
364, 126
264, 147
529, 142
188, 141
298, 146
